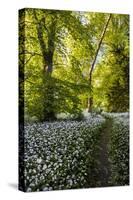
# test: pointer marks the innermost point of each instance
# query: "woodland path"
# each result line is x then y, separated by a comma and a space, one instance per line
105, 171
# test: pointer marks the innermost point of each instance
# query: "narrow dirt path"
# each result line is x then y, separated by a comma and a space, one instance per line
103, 155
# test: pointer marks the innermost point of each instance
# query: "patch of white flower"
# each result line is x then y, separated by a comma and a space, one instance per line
119, 149
61, 154
116, 115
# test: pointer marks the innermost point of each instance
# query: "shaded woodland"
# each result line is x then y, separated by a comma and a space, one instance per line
73, 61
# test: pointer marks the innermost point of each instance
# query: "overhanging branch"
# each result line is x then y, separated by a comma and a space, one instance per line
99, 44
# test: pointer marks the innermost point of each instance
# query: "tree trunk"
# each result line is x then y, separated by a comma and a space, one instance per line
47, 52
49, 87
90, 104
90, 101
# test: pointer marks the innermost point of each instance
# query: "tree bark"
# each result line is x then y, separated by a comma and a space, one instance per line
90, 100
47, 54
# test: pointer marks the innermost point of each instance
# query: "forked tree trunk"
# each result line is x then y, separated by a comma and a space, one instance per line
47, 53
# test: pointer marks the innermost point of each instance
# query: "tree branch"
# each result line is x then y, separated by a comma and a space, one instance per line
99, 44
28, 59
32, 53
90, 102
40, 35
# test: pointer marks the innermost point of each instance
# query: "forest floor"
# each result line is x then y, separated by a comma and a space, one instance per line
76, 154
105, 171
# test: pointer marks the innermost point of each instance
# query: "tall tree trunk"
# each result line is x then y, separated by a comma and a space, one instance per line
90, 100
49, 112
47, 52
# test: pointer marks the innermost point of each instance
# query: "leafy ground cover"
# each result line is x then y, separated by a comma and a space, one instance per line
62, 155
68, 154
119, 149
